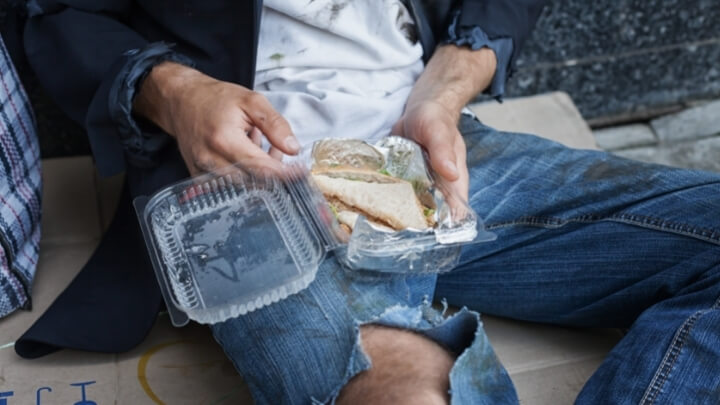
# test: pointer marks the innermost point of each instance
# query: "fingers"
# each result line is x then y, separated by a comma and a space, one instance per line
252, 156
244, 150
256, 136
276, 154
460, 186
271, 123
464, 177
398, 128
456, 192
205, 163
439, 141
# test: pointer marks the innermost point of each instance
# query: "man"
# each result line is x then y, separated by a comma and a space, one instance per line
583, 238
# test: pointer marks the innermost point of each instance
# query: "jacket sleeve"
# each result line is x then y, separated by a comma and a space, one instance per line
512, 19
500, 25
88, 61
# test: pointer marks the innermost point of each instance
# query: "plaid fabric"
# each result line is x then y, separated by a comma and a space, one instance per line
20, 187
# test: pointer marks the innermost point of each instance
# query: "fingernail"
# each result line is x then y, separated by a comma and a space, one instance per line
450, 166
292, 143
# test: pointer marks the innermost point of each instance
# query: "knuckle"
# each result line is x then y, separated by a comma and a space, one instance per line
215, 140
430, 137
275, 120
259, 117
255, 99
204, 163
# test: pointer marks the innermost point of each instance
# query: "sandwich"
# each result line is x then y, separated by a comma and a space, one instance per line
388, 203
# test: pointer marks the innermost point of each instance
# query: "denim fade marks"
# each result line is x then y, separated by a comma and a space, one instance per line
537, 182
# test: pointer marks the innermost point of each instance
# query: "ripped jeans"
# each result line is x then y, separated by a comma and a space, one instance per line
584, 239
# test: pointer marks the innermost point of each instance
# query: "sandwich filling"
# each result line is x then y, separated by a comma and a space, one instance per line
386, 201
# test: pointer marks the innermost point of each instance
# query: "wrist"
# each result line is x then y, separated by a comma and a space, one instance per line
160, 91
483, 67
454, 76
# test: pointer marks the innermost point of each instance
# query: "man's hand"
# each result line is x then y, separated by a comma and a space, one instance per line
433, 126
451, 79
215, 123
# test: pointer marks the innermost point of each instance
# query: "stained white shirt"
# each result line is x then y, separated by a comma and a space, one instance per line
337, 68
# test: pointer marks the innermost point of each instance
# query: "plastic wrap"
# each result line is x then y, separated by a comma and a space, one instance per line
433, 249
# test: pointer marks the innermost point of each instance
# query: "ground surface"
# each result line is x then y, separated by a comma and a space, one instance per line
688, 139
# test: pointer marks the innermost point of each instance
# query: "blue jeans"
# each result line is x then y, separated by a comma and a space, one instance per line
584, 239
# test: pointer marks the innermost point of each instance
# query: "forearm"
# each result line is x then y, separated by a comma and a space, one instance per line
453, 77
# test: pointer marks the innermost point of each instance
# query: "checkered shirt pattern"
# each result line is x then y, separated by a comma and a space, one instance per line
20, 190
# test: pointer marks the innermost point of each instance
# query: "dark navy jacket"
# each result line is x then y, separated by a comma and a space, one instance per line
83, 51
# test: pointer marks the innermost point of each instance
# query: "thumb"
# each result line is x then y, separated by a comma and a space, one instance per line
275, 128
399, 127
438, 141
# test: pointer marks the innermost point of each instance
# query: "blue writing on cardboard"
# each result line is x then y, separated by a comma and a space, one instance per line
4, 396
37, 394
84, 401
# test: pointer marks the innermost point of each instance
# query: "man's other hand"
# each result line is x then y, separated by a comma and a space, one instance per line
452, 77
215, 123
433, 126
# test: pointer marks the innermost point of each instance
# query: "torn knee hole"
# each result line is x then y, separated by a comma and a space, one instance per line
407, 367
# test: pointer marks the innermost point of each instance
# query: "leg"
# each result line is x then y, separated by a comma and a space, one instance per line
408, 368
308, 347
588, 239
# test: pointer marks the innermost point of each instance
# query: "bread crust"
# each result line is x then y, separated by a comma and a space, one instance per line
369, 176
340, 206
333, 182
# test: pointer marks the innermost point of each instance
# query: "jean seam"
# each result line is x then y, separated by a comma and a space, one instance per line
644, 221
256, 392
671, 355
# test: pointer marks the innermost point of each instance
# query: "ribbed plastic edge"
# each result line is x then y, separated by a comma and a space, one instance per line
215, 316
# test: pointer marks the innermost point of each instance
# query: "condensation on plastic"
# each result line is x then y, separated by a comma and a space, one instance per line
229, 243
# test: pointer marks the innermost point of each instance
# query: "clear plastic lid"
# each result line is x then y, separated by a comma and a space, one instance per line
226, 244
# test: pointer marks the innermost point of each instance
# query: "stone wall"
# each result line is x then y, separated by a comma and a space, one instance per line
623, 59
688, 139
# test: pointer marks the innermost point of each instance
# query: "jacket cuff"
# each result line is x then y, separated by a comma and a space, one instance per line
140, 139
475, 38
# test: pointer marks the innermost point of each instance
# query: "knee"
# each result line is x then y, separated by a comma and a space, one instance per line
407, 368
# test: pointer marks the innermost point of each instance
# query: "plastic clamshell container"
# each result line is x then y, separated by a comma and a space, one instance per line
226, 244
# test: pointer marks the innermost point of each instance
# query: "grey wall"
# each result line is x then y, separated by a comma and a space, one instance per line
622, 59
